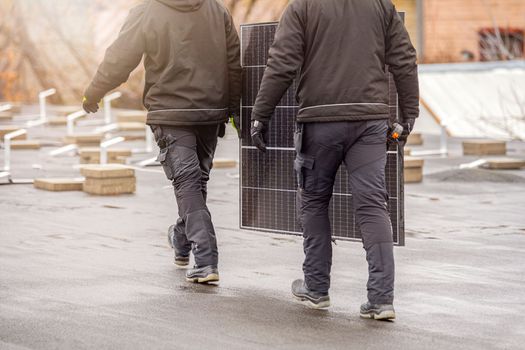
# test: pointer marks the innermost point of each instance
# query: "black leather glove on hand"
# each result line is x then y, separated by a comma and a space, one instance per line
408, 126
259, 134
235, 119
222, 130
89, 106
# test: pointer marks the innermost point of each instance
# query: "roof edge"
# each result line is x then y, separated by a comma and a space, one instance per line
471, 66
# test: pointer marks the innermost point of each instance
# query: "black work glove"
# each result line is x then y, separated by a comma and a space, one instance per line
259, 133
222, 130
89, 106
235, 120
408, 126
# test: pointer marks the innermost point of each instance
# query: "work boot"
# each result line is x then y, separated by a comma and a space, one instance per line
204, 274
378, 311
181, 260
313, 300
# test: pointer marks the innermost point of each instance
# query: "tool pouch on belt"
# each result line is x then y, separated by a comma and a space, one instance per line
166, 146
302, 161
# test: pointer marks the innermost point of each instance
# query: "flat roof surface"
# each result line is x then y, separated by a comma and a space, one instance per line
85, 272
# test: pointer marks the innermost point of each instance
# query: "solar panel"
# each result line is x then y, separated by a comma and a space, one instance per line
268, 186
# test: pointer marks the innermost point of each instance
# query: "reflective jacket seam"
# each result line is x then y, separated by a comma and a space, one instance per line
344, 104
188, 110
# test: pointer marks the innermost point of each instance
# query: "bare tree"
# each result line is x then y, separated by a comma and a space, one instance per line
51, 43
496, 45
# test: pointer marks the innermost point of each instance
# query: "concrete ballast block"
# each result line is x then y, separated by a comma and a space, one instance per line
4, 130
413, 175
484, 147
107, 171
25, 145
91, 155
412, 162
131, 126
133, 137
108, 180
6, 116
415, 139
57, 121
92, 187
84, 139
59, 185
63, 110
220, 163
111, 160
131, 116
413, 169
504, 164
112, 152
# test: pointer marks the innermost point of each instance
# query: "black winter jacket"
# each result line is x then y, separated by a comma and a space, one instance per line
338, 49
191, 56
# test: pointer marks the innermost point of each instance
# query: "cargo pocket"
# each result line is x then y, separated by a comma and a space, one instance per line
167, 157
302, 162
163, 159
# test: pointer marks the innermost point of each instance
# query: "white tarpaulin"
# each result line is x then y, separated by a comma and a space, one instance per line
477, 99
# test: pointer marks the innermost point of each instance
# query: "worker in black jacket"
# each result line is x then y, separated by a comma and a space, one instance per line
338, 50
193, 81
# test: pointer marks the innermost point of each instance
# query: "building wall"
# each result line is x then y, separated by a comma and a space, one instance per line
451, 26
411, 18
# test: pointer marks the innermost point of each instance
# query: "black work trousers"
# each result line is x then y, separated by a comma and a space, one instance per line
186, 154
361, 146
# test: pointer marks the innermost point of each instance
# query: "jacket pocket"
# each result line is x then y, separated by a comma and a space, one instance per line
302, 162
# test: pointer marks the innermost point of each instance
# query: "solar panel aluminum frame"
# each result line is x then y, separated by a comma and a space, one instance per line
281, 145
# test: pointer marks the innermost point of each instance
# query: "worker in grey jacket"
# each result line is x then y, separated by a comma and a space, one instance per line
193, 81
338, 51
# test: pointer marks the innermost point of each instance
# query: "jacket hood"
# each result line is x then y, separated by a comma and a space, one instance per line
183, 5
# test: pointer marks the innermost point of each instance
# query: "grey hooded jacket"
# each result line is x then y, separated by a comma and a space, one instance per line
338, 50
191, 56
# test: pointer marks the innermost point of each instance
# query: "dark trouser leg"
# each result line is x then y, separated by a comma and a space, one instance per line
180, 241
179, 157
366, 160
317, 164
206, 146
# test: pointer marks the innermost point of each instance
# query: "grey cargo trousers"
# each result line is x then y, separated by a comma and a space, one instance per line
361, 146
186, 154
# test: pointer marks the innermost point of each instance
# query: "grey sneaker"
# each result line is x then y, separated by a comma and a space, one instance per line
204, 274
378, 311
180, 260
309, 298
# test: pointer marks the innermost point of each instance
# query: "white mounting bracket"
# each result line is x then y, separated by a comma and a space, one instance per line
6, 107
107, 106
7, 147
104, 148
62, 150
71, 120
42, 96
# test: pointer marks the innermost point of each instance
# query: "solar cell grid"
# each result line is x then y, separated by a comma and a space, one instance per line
268, 182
